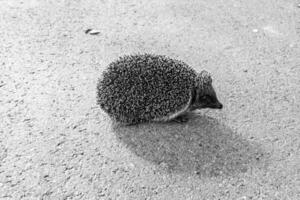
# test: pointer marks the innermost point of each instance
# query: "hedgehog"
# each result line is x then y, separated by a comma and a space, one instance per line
153, 88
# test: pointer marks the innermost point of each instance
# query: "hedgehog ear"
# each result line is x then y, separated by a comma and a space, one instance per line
206, 77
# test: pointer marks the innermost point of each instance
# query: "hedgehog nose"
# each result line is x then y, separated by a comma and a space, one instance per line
219, 105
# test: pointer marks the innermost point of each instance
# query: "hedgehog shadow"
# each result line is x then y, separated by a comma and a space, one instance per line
201, 146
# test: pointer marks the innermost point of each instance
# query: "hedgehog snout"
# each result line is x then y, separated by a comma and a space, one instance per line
217, 105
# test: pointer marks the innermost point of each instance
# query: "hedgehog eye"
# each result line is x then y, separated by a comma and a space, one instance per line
205, 98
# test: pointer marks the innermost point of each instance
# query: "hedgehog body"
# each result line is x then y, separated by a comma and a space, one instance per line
145, 87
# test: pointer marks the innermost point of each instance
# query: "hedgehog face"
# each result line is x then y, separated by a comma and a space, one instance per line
209, 100
204, 94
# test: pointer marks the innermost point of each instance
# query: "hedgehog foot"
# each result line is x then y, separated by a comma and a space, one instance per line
181, 119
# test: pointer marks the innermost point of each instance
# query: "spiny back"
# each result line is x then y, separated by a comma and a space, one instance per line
140, 88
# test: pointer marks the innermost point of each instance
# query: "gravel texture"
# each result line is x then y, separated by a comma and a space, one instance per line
56, 143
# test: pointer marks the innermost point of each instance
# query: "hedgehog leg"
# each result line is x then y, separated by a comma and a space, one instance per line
181, 118
132, 122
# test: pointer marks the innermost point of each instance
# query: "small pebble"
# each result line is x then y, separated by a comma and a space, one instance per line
197, 172
131, 165
291, 45
255, 30
92, 31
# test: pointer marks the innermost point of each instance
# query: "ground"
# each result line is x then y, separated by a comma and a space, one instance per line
56, 143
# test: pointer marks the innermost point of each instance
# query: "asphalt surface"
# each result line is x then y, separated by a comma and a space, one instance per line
56, 143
